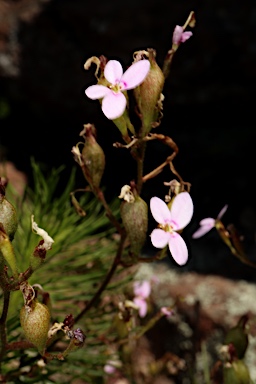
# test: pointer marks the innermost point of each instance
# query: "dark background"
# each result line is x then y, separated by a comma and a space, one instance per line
209, 103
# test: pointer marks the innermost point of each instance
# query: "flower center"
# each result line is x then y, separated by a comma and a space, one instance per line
166, 227
117, 87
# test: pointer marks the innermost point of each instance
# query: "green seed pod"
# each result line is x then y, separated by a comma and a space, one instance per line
135, 220
236, 373
148, 95
8, 216
35, 322
93, 157
238, 337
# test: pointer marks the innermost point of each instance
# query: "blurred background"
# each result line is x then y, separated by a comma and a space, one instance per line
208, 110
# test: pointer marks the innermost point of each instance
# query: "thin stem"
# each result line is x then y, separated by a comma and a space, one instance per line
150, 324
107, 279
23, 277
100, 196
140, 165
3, 337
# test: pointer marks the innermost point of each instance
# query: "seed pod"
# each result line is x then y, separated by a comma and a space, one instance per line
35, 322
236, 373
148, 95
238, 337
135, 220
93, 157
8, 216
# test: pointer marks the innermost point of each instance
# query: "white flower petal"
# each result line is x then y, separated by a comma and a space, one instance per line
160, 210
178, 249
182, 210
135, 74
113, 71
97, 92
159, 238
113, 105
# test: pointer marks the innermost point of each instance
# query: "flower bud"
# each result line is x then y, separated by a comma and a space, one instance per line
8, 216
35, 321
93, 157
238, 337
236, 373
148, 95
134, 215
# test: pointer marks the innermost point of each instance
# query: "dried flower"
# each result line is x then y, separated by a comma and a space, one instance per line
48, 241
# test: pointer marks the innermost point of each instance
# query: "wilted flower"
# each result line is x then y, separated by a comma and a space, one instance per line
208, 223
170, 221
48, 241
179, 36
113, 99
141, 291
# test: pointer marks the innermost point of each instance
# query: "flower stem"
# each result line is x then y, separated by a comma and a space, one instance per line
107, 279
140, 165
3, 337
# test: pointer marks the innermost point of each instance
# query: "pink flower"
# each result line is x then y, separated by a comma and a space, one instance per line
207, 224
166, 311
141, 291
113, 100
179, 36
109, 368
170, 221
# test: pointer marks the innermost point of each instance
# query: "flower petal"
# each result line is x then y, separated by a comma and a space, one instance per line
222, 212
159, 238
135, 74
166, 311
113, 105
205, 226
97, 92
159, 210
177, 33
185, 36
113, 71
182, 210
208, 221
142, 288
201, 232
178, 249
109, 369
142, 305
